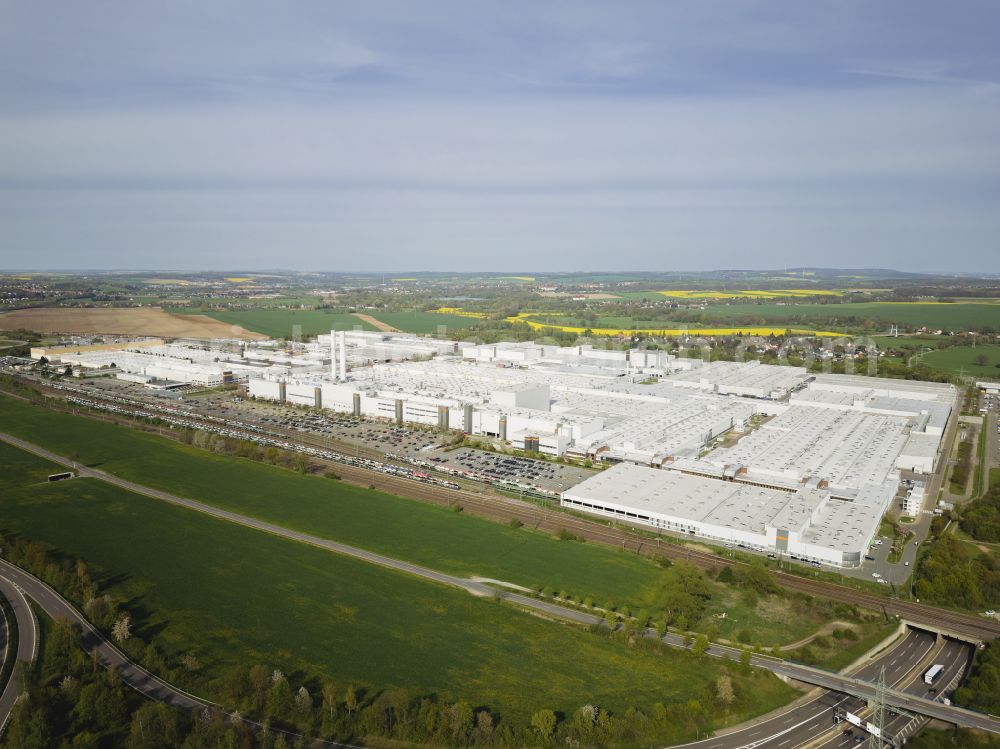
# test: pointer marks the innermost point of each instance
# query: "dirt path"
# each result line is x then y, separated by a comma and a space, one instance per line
383, 326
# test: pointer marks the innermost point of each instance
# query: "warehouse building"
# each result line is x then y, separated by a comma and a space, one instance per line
808, 524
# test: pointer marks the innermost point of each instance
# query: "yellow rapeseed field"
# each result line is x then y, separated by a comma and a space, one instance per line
460, 312
706, 332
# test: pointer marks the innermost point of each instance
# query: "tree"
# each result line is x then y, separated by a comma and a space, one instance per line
724, 691
460, 720
745, 658
303, 700
544, 721
982, 360
700, 645
300, 463
329, 698
351, 698
122, 629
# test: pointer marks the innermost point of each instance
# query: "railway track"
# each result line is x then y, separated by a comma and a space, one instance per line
486, 503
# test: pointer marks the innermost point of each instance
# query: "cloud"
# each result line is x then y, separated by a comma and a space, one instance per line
733, 133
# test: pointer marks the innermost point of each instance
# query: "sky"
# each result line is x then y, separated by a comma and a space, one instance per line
499, 136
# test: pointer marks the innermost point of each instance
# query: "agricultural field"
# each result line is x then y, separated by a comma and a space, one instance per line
934, 315
429, 535
708, 295
424, 322
279, 323
230, 595
747, 293
152, 321
660, 330
978, 361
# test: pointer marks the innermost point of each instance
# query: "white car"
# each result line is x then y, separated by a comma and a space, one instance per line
876, 575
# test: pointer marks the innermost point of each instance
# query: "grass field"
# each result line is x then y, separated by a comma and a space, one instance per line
233, 596
746, 293
424, 322
279, 323
430, 535
958, 316
433, 536
963, 359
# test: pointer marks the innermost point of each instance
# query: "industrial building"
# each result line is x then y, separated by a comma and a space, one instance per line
769, 457
806, 524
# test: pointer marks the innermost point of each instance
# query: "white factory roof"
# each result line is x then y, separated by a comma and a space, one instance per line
824, 521
843, 525
667, 492
942, 391
844, 447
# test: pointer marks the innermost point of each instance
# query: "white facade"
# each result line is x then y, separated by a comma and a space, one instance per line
806, 524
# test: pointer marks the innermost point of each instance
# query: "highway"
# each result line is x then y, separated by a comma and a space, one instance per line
27, 643
814, 715
806, 674
954, 656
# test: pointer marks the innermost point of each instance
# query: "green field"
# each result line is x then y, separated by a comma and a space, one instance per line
424, 322
963, 359
232, 595
278, 323
958, 316
433, 536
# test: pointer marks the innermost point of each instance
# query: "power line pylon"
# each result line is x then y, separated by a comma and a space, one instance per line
876, 739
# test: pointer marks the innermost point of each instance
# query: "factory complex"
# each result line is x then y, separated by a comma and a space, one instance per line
771, 458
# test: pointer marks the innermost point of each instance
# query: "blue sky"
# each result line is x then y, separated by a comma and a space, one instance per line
500, 136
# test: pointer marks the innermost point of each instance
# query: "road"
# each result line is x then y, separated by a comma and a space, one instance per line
132, 674
806, 674
814, 716
27, 643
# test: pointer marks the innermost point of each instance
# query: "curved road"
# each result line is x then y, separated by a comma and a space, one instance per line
15, 579
809, 675
27, 643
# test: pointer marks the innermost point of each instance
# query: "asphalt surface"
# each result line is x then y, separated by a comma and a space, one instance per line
813, 716
15, 579
954, 656
27, 642
809, 675
135, 676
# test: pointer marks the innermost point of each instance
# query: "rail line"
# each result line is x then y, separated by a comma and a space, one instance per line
499, 507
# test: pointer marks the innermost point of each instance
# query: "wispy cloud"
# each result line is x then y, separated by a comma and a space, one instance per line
562, 134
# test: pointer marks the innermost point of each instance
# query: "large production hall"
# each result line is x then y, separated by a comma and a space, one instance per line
772, 458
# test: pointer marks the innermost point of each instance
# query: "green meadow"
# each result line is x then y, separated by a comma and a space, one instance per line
232, 596
434, 536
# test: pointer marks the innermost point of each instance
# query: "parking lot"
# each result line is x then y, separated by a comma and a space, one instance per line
421, 446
